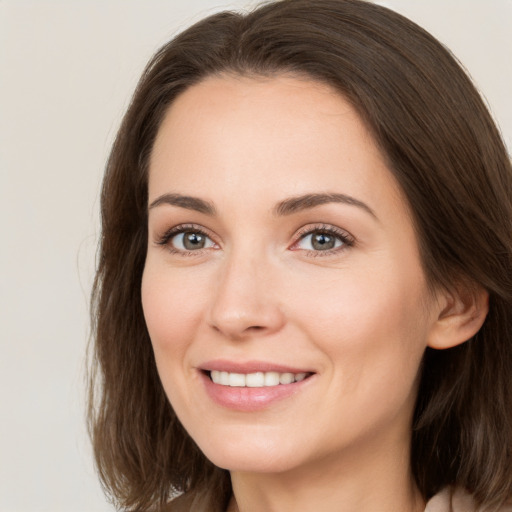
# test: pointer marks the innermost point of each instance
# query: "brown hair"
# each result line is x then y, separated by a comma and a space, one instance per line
449, 160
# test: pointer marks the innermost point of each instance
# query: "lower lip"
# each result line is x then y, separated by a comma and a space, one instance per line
250, 399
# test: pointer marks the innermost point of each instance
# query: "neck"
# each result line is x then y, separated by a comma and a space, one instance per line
376, 478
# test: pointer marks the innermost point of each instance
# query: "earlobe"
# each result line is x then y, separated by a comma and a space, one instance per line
461, 315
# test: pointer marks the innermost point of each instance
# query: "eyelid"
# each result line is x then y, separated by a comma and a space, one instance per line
347, 239
164, 239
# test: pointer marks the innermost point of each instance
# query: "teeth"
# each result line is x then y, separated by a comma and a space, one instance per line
271, 379
237, 380
286, 378
255, 380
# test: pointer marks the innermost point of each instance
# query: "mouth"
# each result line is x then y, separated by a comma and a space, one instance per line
253, 374
256, 379
252, 386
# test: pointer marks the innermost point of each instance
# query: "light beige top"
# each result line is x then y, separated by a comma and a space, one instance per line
446, 501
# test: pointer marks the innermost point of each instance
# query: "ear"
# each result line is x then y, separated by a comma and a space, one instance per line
461, 314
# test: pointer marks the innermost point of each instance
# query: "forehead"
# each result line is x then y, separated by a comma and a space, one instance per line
259, 105
281, 135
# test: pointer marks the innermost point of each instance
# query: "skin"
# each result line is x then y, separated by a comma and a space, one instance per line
359, 316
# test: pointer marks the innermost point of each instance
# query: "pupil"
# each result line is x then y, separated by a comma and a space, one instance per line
193, 241
323, 242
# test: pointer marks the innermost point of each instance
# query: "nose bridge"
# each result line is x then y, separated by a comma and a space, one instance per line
245, 301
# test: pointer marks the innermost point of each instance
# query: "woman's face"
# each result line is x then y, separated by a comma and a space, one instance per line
282, 263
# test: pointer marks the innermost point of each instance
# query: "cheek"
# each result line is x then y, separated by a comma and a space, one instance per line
172, 310
373, 327
349, 302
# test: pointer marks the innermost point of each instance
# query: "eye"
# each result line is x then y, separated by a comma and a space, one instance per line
324, 239
186, 239
319, 241
191, 241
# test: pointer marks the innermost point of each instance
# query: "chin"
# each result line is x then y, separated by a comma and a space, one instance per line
261, 455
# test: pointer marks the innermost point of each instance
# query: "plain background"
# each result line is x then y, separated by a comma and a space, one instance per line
67, 70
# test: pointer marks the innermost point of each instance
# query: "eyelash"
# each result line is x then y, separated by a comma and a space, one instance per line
346, 239
176, 230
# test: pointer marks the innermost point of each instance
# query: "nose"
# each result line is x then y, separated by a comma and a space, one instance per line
246, 300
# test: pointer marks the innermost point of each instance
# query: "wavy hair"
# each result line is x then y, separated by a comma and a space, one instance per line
448, 158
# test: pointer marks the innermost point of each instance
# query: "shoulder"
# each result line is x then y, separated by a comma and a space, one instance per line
456, 500
191, 502
181, 503
184, 503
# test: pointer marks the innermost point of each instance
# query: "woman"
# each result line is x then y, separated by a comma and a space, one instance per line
303, 297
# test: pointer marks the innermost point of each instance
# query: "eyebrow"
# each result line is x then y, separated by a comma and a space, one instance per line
187, 202
304, 202
283, 208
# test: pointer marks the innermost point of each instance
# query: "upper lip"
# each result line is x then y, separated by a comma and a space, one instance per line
225, 365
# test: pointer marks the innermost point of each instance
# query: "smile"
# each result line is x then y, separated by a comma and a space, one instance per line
252, 386
255, 380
